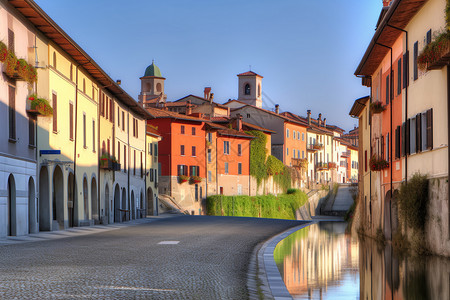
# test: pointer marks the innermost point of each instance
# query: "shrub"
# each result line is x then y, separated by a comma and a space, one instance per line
379, 236
413, 201
400, 242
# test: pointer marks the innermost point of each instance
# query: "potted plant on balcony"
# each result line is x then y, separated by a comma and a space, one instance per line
183, 178
435, 51
39, 105
115, 164
196, 179
317, 146
3, 52
378, 164
11, 64
105, 161
332, 165
377, 107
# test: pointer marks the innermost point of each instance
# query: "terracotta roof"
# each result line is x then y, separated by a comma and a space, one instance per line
256, 127
152, 131
358, 106
161, 114
397, 17
221, 119
176, 104
223, 130
53, 32
249, 73
199, 98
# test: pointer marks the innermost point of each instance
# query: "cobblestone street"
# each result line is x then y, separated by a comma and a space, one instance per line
209, 261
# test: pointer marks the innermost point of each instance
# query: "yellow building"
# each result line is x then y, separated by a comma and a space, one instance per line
152, 168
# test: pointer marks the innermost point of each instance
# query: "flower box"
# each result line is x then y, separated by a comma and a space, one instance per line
378, 164
17, 69
106, 164
377, 107
436, 54
38, 106
195, 179
183, 178
332, 165
116, 166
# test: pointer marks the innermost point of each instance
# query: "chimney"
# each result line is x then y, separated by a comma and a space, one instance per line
207, 92
239, 122
308, 112
188, 108
325, 122
319, 119
386, 3
211, 97
277, 108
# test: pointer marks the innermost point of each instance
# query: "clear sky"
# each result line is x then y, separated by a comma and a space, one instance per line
307, 50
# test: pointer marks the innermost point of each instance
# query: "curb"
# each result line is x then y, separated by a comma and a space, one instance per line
263, 263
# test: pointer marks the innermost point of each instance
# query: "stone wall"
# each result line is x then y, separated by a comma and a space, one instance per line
312, 207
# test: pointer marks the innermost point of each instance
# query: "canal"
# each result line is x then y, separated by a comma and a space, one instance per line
321, 261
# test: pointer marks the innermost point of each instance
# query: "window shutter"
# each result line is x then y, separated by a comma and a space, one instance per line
71, 120
11, 40
412, 135
55, 113
387, 89
365, 160
430, 129
12, 112
405, 69
407, 137
423, 130
416, 53
382, 146
428, 36
418, 133
403, 137
399, 76
397, 142
111, 111
31, 133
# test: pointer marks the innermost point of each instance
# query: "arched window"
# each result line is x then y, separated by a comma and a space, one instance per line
148, 87
259, 90
247, 89
158, 87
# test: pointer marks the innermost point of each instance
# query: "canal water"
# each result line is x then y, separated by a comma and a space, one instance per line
321, 261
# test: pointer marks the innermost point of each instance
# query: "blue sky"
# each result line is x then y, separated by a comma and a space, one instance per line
307, 51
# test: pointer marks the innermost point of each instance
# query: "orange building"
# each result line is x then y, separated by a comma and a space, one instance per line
182, 158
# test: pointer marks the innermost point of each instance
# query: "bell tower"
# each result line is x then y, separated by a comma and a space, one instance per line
152, 87
250, 88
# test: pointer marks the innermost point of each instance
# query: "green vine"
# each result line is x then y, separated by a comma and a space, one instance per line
447, 15
258, 153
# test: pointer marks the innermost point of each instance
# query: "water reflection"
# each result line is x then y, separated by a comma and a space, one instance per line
322, 262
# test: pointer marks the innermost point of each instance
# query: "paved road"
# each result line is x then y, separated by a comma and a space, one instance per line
209, 262
343, 199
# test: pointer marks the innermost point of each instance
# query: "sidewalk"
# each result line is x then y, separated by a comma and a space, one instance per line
78, 231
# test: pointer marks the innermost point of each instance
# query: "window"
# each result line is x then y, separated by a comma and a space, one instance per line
416, 53
118, 152
193, 130
303, 136
209, 176
399, 76
55, 113
182, 129
54, 59
429, 131
405, 69
124, 158
71, 121
239, 168
365, 160
156, 150
111, 110
387, 89
303, 154
123, 121
150, 148
11, 40
428, 36
209, 156
151, 175
182, 170
134, 127
226, 168
248, 116
287, 132
142, 173
193, 151
210, 137
31, 132
84, 85
293, 134
93, 135
71, 72
194, 171
387, 146
84, 131
239, 150
226, 147
397, 142
287, 151
259, 90
182, 150
293, 153
412, 135
247, 90
12, 112
118, 117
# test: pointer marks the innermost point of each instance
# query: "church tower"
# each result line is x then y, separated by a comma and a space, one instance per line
250, 90
152, 87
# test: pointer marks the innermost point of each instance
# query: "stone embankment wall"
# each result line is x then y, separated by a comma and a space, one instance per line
312, 207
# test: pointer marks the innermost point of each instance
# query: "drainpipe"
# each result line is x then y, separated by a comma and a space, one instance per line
448, 132
98, 157
129, 161
390, 134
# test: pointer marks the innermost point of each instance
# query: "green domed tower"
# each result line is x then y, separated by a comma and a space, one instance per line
152, 87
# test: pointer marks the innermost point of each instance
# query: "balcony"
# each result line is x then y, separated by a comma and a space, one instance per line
301, 163
332, 165
345, 154
321, 166
436, 54
108, 163
314, 147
